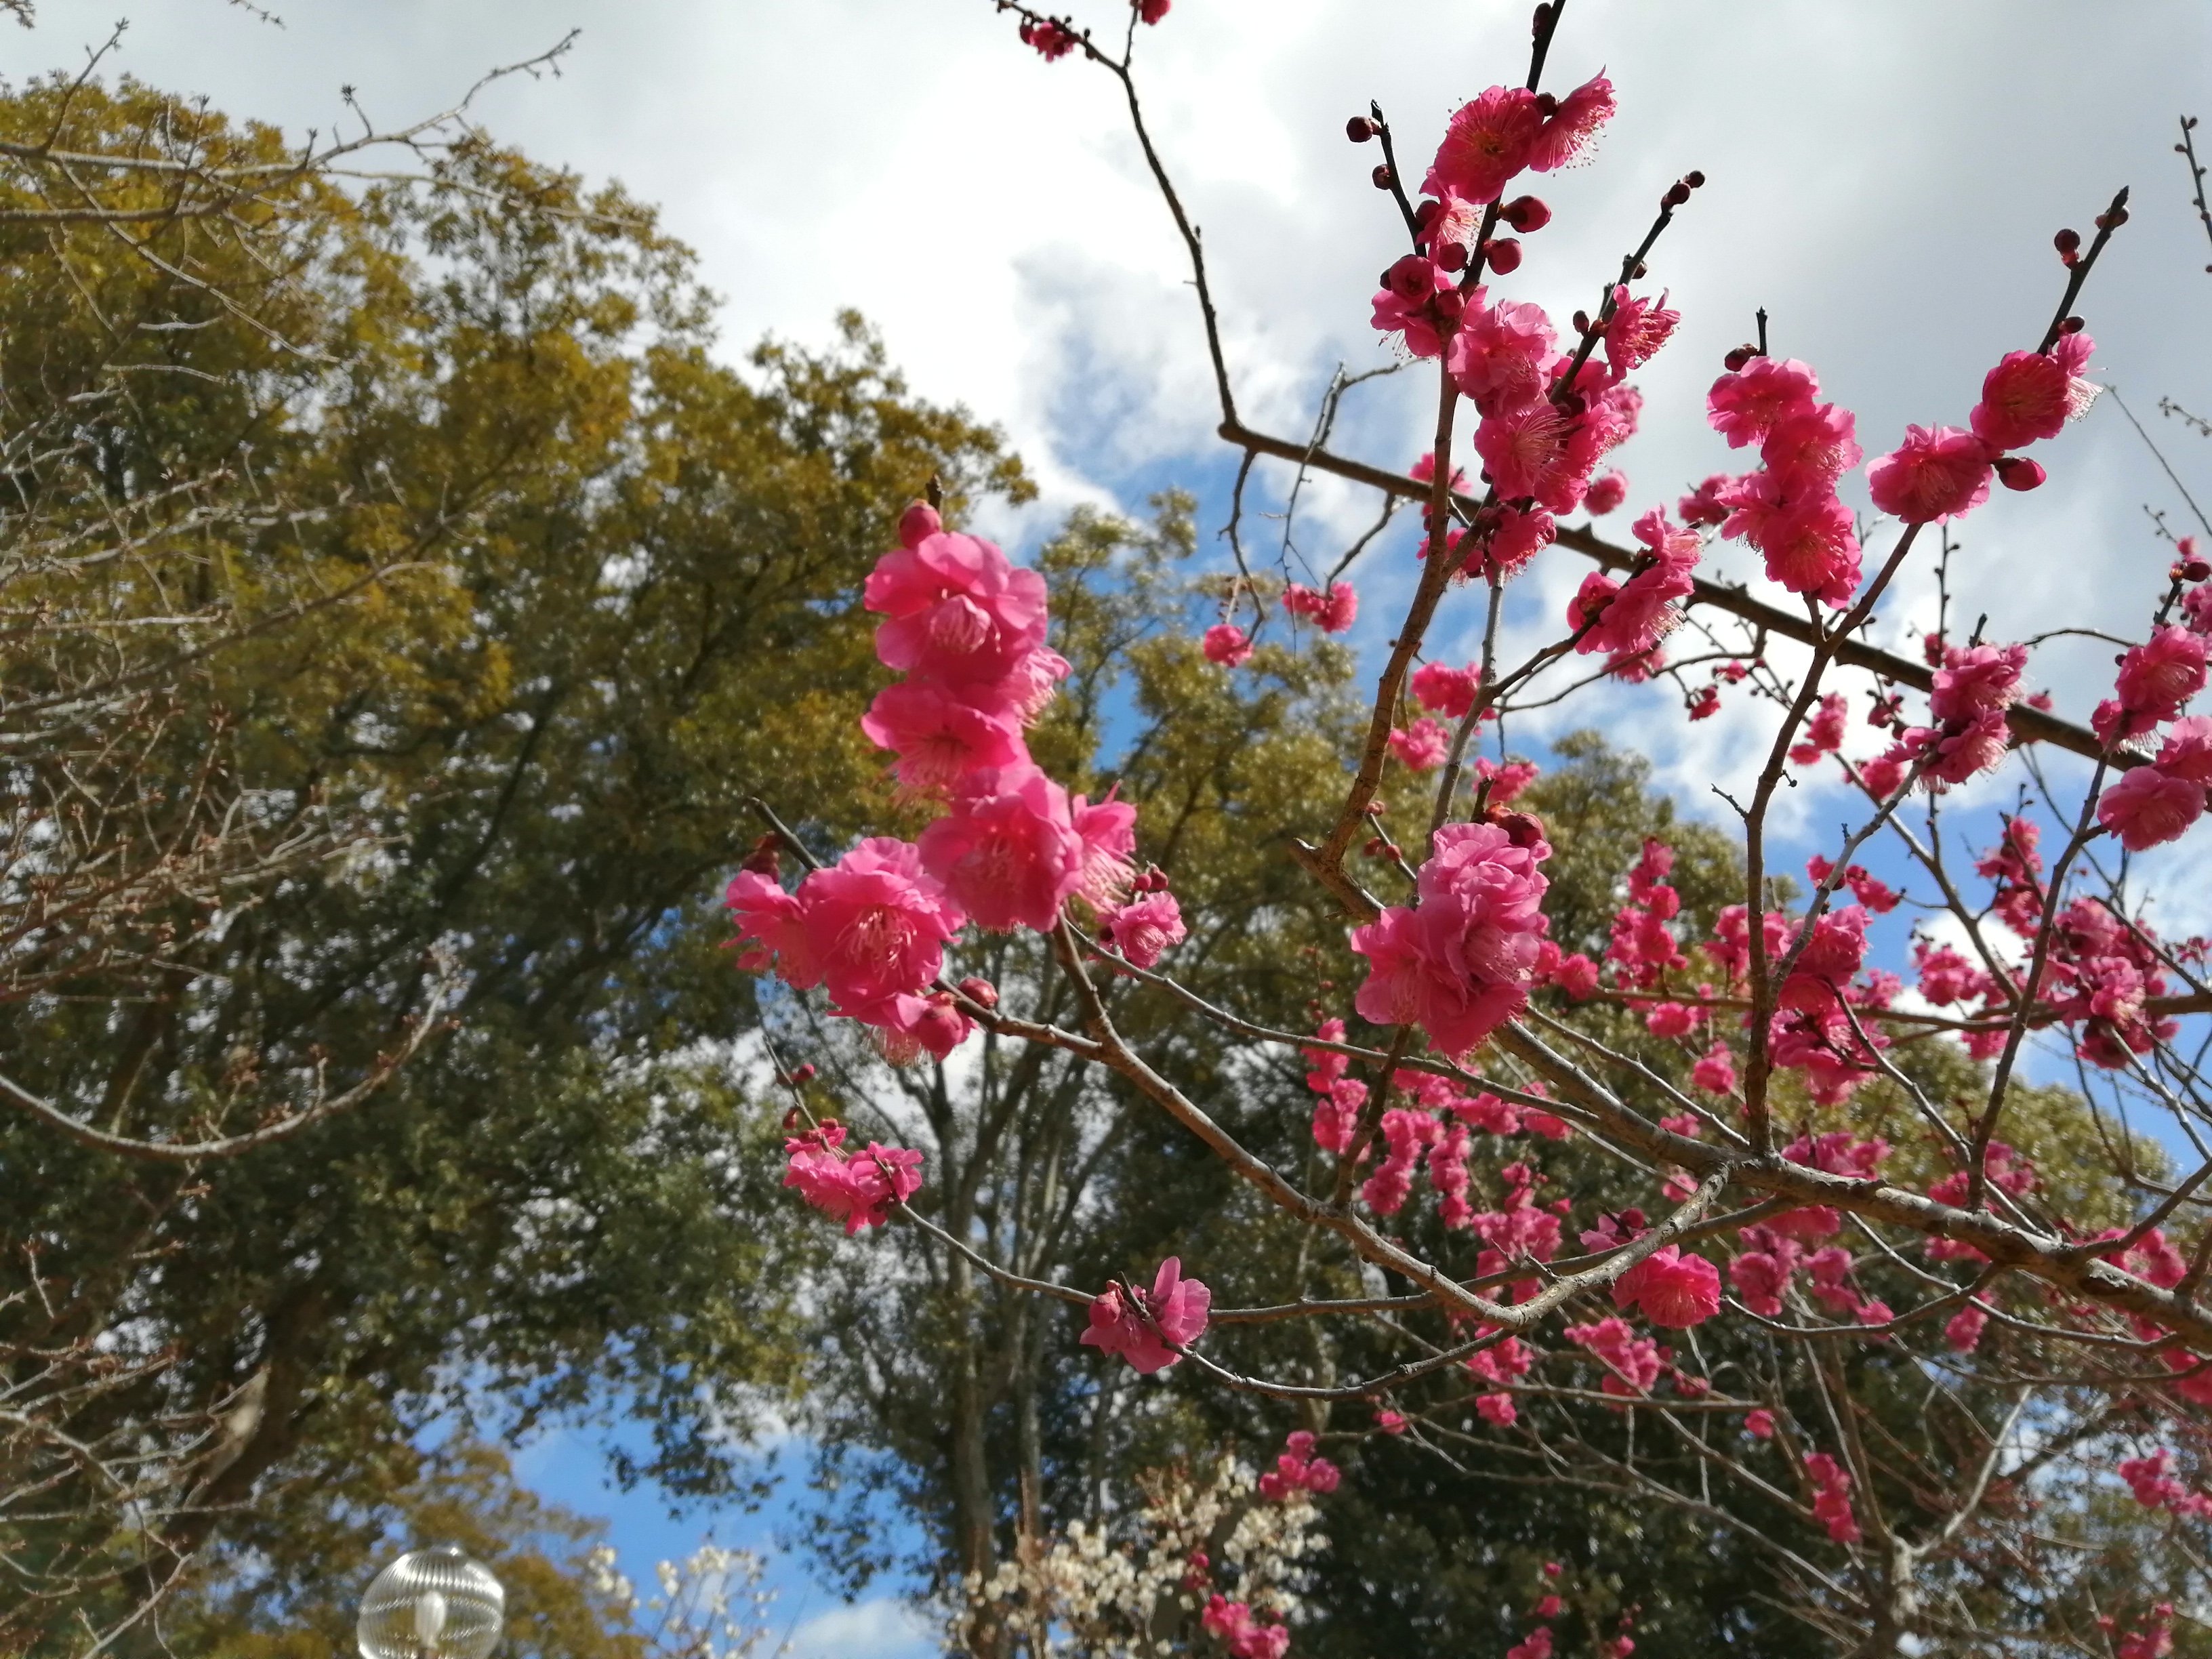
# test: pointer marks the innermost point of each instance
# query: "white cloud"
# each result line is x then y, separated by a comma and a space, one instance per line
884, 1628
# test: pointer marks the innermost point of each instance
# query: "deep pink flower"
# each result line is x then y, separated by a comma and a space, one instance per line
2146, 807
1572, 127
1937, 473
1975, 679
1963, 1330
1423, 747
1173, 1313
1499, 354
1824, 731
859, 1190
1963, 751
1760, 1423
776, 922
874, 924
1420, 300
955, 609
1761, 1277
1715, 1072
1829, 958
1812, 444
1450, 691
1605, 492
1146, 929
2023, 398
2187, 751
939, 736
1425, 470
1702, 506
1052, 42
2159, 676
1577, 976
1226, 645
1486, 143
1670, 1019
1524, 450
1152, 10
1341, 610
1010, 856
1671, 1288
1506, 779
1461, 965
1744, 406
1519, 537
1636, 331
1024, 691
1497, 1409
1108, 831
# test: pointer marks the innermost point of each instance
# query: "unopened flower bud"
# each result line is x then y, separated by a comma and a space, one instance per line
2113, 220
918, 524
803, 1072
2017, 472
1641, 271
981, 991
1505, 255
1546, 105
1452, 256
1448, 304
1361, 127
1582, 322
1694, 179
2195, 570
2072, 325
2066, 242
1374, 847
791, 1120
1677, 193
1381, 175
762, 861
1736, 359
1525, 214
1523, 829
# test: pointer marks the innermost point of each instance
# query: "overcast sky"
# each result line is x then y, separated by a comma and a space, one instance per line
1885, 179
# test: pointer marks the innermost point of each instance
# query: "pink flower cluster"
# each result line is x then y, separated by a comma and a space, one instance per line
1672, 1288
1627, 618
1973, 689
1461, 964
2156, 803
1052, 40
968, 630
2151, 1481
1787, 508
1226, 645
1942, 472
1240, 1631
1509, 129
1149, 926
1298, 1470
1641, 947
1832, 1497
1332, 612
872, 928
1147, 1328
1631, 1363
858, 1189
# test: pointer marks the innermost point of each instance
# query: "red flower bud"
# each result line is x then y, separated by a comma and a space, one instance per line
1694, 179
762, 860
1381, 175
1360, 128
1448, 304
803, 1072
1677, 193
2066, 242
918, 524
2072, 325
1505, 255
1525, 214
2017, 472
1737, 358
981, 991
1452, 256
2195, 570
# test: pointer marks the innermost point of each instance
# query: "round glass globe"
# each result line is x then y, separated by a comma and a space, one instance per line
431, 1604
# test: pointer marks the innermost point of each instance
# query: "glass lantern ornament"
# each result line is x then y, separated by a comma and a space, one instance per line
432, 1604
